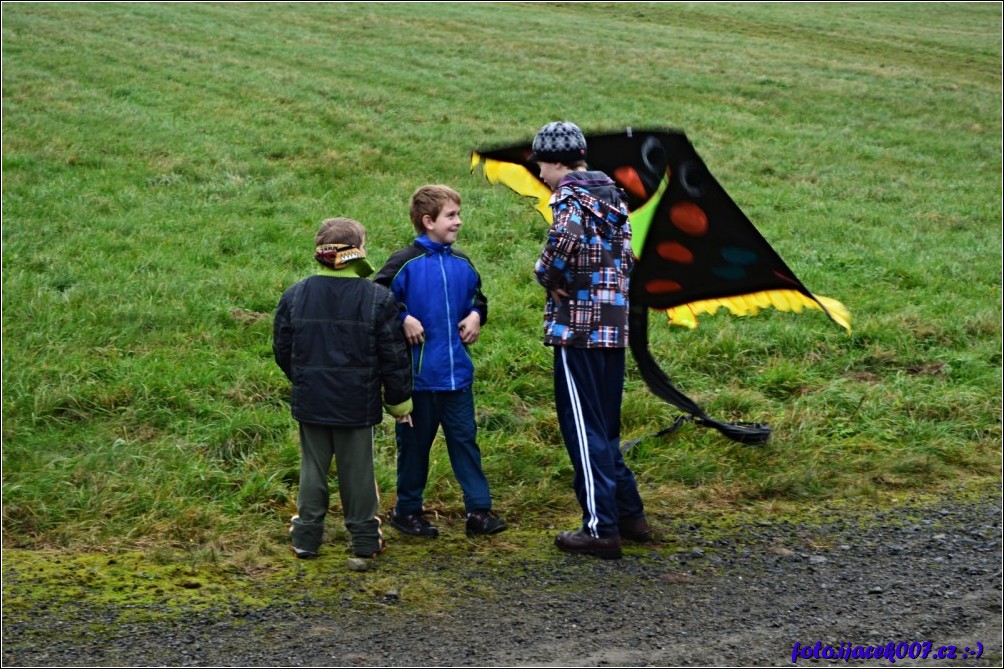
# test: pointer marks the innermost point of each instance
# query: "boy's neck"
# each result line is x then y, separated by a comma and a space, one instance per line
564, 174
434, 240
565, 170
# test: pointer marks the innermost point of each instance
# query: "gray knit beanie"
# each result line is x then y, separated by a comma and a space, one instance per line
559, 142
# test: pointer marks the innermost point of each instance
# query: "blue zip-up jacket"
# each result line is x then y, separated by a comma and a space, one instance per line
439, 286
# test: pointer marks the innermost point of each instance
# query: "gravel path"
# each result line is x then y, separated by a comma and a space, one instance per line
916, 574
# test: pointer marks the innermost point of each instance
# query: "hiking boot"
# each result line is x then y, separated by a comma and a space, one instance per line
414, 525
608, 548
635, 529
484, 522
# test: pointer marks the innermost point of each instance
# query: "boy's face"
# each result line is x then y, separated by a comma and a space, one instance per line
444, 228
551, 173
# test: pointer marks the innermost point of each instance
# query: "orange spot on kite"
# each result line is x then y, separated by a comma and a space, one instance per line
663, 286
675, 251
690, 218
627, 176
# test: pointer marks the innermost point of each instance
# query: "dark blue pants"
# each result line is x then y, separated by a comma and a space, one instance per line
588, 387
454, 410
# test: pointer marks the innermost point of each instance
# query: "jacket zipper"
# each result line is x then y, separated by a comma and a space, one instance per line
449, 319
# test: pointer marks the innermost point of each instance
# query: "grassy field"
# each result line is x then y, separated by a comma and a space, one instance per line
165, 167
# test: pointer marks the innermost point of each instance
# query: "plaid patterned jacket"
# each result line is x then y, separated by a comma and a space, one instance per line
588, 255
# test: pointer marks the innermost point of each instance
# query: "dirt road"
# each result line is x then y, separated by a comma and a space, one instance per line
926, 580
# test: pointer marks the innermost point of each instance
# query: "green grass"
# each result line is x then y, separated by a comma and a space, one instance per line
166, 166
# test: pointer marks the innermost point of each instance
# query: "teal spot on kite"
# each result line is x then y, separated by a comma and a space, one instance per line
729, 272
738, 256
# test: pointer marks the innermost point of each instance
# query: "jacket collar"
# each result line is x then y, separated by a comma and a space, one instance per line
430, 246
356, 269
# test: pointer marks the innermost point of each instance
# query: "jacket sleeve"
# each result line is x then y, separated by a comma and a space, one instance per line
386, 274
393, 353
282, 336
391, 278
563, 242
628, 259
479, 302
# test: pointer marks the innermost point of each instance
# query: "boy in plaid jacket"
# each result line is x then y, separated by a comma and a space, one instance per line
584, 266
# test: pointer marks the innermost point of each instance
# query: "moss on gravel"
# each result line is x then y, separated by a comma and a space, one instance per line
414, 574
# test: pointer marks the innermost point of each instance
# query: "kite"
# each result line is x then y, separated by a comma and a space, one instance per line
696, 250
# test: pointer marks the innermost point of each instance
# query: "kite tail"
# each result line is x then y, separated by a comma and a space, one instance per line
659, 383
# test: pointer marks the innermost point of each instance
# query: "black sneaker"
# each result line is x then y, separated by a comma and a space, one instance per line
484, 522
414, 525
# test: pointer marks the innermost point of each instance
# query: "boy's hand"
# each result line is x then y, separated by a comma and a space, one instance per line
470, 328
414, 332
559, 294
405, 420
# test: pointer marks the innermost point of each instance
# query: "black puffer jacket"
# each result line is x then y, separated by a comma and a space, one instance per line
339, 341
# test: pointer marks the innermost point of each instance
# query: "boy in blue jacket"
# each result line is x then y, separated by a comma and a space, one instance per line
338, 339
442, 310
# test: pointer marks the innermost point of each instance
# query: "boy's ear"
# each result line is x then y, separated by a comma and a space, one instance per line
427, 221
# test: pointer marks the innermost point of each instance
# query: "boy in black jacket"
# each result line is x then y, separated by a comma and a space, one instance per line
337, 337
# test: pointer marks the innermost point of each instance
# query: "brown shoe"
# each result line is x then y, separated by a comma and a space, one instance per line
608, 548
635, 529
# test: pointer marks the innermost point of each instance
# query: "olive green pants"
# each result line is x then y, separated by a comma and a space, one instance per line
352, 450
